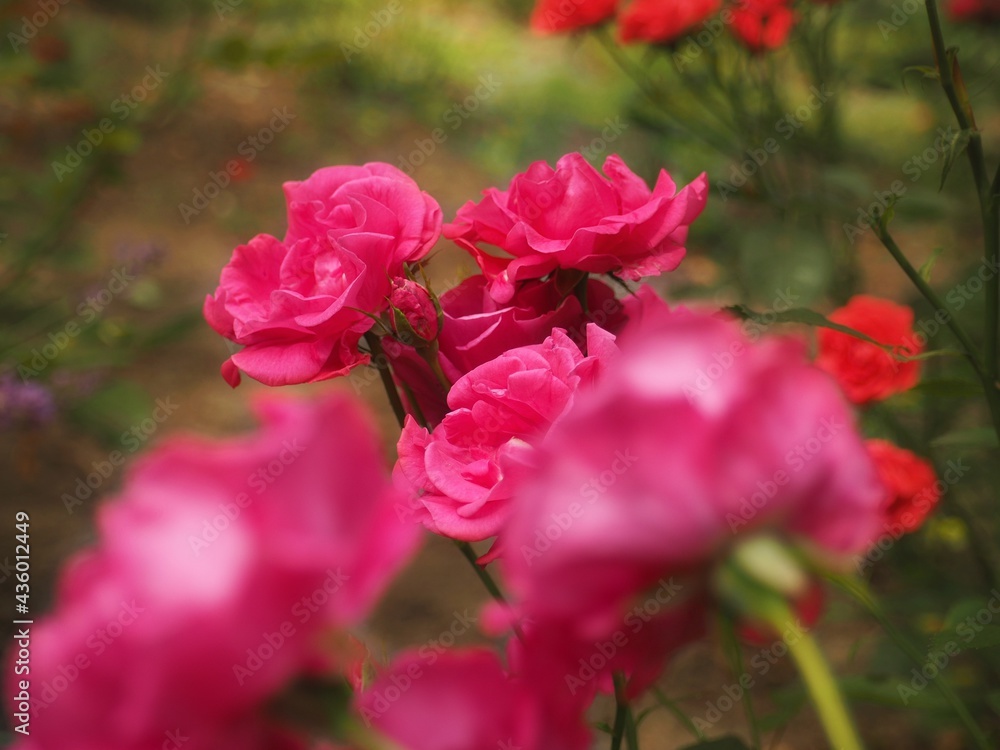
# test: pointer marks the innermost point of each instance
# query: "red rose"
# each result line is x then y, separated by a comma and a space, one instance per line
867, 372
911, 485
554, 16
974, 10
664, 21
762, 24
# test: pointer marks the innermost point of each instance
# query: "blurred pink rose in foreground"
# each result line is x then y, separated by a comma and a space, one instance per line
573, 217
692, 438
298, 305
485, 707
216, 570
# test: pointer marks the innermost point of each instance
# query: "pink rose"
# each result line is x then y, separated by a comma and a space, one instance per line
476, 329
298, 306
487, 708
370, 203
693, 436
216, 570
456, 475
572, 217
296, 309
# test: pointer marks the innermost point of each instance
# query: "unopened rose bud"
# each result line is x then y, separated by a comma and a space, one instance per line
415, 314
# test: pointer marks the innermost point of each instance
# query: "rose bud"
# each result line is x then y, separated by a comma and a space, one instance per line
415, 315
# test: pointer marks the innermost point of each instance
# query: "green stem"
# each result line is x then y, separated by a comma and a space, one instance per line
380, 363
987, 202
735, 656
487, 580
432, 357
621, 713
820, 682
860, 593
969, 349
631, 730
416, 411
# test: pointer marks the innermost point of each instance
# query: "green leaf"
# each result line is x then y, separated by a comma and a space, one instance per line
723, 743
963, 629
803, 316
928, 266
926, 71
979, 437
969, 637
961, 610
886, 217
956, 147
930, 355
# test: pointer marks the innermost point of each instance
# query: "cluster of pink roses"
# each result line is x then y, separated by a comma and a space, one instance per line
616, 451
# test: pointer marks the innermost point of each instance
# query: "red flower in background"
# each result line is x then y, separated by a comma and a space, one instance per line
663, 20
242, 170
554, 16
910, 483
762, 24
974, 10
867, 372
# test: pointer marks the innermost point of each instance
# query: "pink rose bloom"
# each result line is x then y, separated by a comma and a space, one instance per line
216, 570
298, 306
372, 202
693, 436
456, 475
572, 217
486, 708
477, 329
